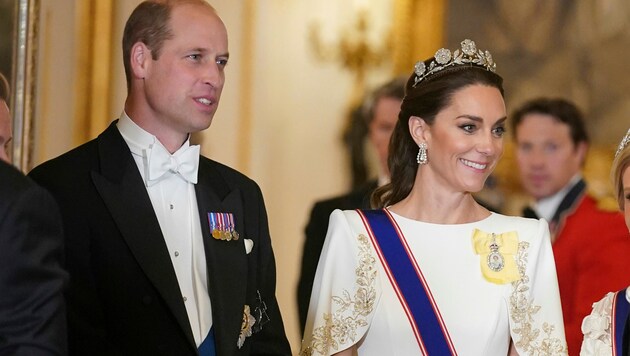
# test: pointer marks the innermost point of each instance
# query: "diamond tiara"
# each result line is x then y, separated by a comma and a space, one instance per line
443, 59
624, 142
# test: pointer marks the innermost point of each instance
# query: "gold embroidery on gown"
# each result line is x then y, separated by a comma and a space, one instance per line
532, 340
350, 311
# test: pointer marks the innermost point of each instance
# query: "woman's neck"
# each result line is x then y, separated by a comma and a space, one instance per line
433, 206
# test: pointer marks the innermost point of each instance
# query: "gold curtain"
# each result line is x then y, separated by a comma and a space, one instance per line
94, 68
418, 31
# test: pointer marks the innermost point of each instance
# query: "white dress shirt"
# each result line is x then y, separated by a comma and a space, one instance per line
546, 208
175, 205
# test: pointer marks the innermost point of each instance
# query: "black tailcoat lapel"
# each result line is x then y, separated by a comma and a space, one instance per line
121, 186
122, 189
226, 260
115, 240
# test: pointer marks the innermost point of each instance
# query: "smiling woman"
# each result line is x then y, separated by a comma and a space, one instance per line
390, 280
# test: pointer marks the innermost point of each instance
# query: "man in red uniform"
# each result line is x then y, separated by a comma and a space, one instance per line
590, 245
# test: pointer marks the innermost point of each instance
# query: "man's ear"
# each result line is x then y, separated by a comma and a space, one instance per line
140, 57
419, 129
580, 151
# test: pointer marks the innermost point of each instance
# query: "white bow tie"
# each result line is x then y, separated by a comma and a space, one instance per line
160, 161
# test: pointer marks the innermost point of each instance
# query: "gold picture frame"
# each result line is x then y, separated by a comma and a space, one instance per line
23, 82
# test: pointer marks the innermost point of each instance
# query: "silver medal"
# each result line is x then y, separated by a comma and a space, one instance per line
495, 258
495, 261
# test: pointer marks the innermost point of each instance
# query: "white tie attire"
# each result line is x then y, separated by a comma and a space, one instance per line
170, 180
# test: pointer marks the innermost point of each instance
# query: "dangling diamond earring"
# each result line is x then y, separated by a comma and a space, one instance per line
422, 158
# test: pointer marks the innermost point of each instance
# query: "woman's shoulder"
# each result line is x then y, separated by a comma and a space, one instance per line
356, 218
522, 225
347, 218
596, 326
346, 226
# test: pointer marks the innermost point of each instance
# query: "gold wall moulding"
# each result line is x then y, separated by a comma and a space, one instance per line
23, 83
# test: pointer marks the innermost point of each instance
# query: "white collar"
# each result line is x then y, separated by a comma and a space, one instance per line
546, 208
137, 138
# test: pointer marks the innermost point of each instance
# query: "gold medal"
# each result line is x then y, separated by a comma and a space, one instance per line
216, 234
235, 235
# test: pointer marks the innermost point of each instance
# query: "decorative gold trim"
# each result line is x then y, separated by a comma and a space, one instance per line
533, 340
23, 100
351, 311
246, 326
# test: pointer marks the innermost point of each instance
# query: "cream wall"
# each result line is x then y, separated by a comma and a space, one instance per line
299, 107
295, 110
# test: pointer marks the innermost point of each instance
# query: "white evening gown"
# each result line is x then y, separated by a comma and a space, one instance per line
353, 301
597, 327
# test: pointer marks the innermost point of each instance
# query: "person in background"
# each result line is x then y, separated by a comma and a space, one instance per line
168, 251
379, 113
590, 245
607, 329
432, 271
5, 120
32, 280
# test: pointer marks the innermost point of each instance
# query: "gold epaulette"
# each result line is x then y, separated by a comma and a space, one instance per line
603, 195
607, 203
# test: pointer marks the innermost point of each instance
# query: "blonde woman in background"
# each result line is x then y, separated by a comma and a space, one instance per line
606, 330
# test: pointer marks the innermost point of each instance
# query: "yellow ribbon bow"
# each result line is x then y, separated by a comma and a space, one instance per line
497, 255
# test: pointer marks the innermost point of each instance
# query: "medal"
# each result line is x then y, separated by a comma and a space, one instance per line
216, 234
222, 226
231, 228
495, 258
214, 220
217, 225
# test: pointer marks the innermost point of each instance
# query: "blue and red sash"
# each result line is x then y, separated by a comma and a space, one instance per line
620, 310
408, 282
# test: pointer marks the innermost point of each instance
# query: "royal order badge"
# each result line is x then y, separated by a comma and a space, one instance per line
246, 326
496, 262
497, 254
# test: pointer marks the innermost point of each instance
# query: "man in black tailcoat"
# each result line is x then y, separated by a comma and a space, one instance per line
168, 251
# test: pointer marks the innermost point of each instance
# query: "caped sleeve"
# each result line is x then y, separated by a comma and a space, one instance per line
597, 327
346, 289
536, 323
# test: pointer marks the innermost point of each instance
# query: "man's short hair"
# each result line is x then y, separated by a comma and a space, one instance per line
561, 110
394, 89
149, 24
